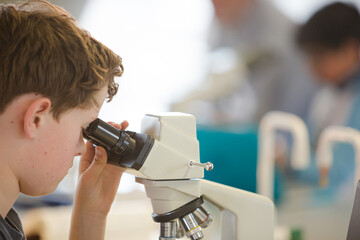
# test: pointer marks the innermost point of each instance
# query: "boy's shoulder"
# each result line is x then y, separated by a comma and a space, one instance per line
11, 227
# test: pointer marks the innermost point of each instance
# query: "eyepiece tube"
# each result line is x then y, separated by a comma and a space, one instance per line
124, 148
104, 133
116, 140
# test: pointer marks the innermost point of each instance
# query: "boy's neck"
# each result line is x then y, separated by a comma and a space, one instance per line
9, 190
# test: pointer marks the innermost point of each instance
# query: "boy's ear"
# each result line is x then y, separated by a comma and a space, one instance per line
35, 116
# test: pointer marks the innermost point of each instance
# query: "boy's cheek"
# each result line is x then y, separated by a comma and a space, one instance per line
37, 184
42, 175
42, 181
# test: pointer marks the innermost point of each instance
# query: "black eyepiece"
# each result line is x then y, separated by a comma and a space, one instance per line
124, 148
103, 134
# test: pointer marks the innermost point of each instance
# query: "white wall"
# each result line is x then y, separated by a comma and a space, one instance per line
162, 46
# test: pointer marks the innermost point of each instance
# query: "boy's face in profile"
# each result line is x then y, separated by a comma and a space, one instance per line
54, 150
333, 66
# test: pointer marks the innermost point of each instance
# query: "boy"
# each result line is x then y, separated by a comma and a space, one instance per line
54, 78
331, 41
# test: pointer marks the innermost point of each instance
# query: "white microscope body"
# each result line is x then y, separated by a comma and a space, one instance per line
173, 180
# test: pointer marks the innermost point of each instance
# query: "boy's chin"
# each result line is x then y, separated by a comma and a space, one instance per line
36, 192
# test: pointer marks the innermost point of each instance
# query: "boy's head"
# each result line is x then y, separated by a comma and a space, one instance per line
54, 78
331, 39
43, 51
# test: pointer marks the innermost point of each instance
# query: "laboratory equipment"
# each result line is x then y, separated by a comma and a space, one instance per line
164, 157
328, 137
300, 158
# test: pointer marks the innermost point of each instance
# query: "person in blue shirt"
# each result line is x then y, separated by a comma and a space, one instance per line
254, 67
330, 40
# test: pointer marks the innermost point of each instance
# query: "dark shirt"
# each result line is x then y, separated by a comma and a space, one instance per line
10, 227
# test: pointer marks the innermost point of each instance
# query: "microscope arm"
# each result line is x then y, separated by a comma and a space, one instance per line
260, 209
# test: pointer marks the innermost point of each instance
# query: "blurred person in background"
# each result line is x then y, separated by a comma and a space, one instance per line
254, 67
331, 42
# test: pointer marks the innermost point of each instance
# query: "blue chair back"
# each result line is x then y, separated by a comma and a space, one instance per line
233, 151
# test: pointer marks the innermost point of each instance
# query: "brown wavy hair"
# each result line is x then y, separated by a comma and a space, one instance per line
42, 50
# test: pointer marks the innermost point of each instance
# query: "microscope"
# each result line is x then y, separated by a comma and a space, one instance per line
164, 157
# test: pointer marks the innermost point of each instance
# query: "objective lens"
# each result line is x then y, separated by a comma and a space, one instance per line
180, 233
202, 217
192, 228
168, 230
